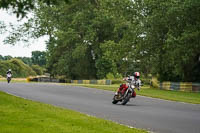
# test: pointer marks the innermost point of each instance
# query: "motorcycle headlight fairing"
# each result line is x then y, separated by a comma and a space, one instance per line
132, 86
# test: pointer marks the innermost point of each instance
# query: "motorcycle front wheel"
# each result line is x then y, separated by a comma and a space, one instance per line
126, 99
114, 100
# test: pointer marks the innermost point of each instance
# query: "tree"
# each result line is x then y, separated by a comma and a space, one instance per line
22, 7
1, 57
90, 27
90, 39
170, 37
38, 58
37, 69
26, 60
77, 47
71, 54
8, 57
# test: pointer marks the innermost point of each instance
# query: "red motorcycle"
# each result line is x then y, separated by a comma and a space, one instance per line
124, 93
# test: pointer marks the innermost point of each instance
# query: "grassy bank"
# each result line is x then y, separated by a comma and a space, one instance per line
188, 97
18, 115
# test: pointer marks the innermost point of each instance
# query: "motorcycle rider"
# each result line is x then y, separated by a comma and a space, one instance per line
9, 72
133, 80
9, 75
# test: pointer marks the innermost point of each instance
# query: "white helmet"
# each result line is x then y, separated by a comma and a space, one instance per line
137, 75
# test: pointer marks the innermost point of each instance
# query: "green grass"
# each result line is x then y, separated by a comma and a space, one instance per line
18, 115
188, 97
14, 80
180, 96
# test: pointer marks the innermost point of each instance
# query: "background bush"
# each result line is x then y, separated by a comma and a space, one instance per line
37, 69
19, 69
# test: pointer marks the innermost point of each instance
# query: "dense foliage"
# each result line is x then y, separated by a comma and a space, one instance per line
22, 7
37, 58
23, 66
172, 38
85, 37
39, 70
19, 69
92, 39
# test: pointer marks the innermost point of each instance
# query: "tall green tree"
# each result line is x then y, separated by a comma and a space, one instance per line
26, 60
171, 37
22, 7
91, 38
38, 58
1, 57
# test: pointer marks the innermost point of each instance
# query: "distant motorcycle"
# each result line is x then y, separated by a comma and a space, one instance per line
125, 96
9, 77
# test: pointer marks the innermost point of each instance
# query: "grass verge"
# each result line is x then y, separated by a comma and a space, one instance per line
18, 115
188, 97
14, 80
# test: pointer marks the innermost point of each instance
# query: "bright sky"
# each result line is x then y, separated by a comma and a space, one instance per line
19, 49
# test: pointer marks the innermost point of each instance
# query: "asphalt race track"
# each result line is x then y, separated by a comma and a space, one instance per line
159, 116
